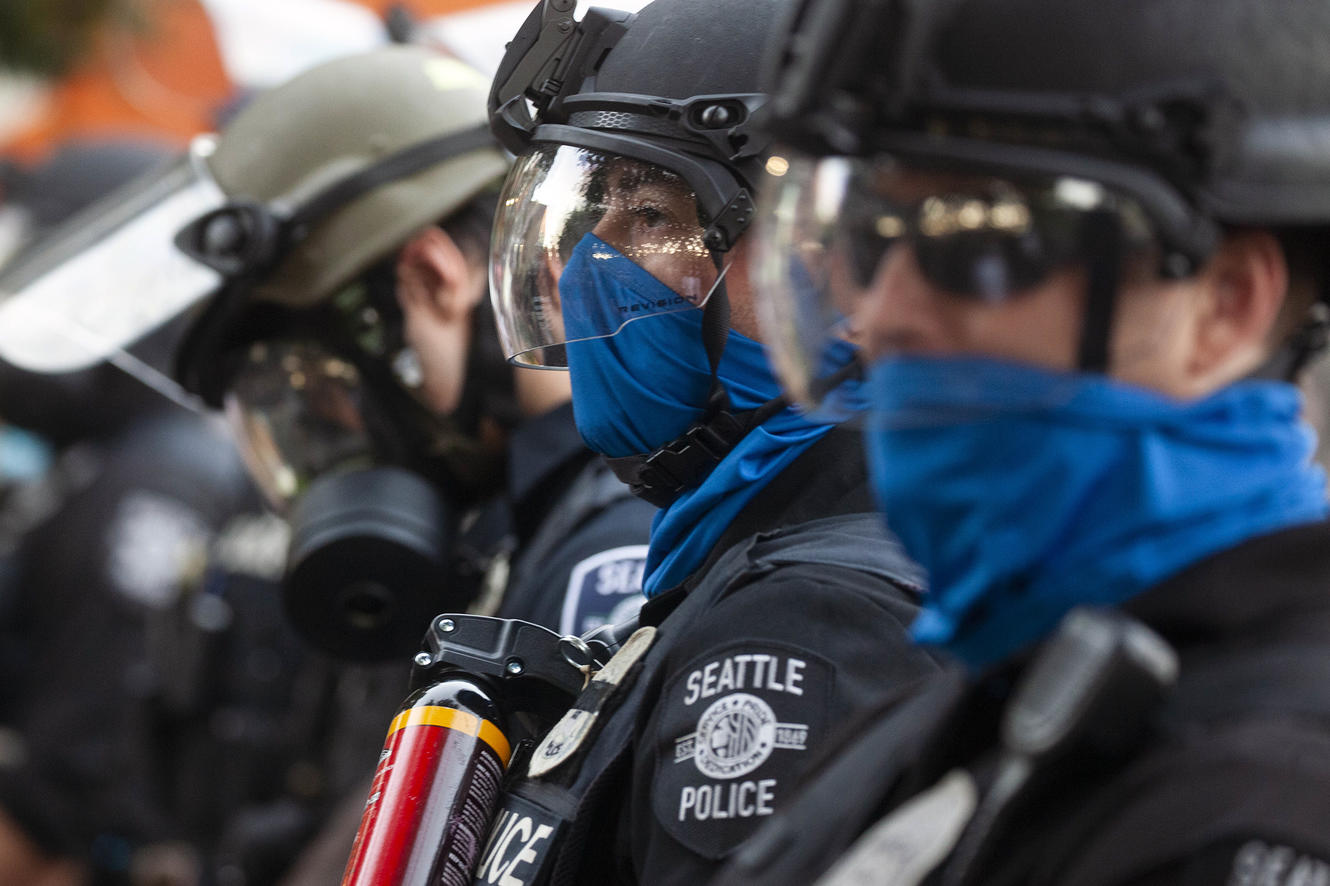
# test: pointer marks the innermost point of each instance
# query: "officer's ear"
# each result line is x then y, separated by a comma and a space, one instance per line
1246, 282
438, 290
434, 276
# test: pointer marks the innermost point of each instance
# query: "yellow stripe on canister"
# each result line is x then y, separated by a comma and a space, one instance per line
461, 721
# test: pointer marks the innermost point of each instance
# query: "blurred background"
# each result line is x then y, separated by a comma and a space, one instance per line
166, 69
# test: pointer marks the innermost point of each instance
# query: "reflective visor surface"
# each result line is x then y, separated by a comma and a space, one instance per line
298, 411
109, 275
828, 225
568, 215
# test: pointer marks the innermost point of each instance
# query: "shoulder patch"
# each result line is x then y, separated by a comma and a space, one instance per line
154, 541
733, 731
605, 588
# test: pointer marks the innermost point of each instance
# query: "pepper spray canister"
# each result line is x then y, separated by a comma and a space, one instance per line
435, 789
439, 777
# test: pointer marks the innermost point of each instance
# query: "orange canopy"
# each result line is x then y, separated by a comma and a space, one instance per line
163, 81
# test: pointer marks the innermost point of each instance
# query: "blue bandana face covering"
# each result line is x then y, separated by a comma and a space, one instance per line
645, 385
1025, 493
648, 382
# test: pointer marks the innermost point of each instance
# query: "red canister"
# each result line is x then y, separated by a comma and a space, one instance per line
435, 791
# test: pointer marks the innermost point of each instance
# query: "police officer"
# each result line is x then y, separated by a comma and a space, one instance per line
342, 323
1083, 249
776, 606
361, 368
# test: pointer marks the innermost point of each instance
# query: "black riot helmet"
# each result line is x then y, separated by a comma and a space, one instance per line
1190, 116
664, 98
666, 86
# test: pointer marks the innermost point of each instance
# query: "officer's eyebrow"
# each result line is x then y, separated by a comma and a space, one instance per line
631, 178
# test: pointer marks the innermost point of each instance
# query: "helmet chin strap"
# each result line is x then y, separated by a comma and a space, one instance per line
1103, 235
674, 467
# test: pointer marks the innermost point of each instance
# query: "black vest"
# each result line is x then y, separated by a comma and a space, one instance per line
542, 832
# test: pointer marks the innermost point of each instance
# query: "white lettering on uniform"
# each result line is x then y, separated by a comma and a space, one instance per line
794, 675
694, 688
493, 868
742, 799
613, 573
500, 836
620, 577
709, 680
733, 673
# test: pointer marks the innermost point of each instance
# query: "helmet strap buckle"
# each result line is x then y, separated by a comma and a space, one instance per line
661, 476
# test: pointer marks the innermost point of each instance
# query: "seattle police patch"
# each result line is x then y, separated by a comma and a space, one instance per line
604, 589
735, 736
732, 738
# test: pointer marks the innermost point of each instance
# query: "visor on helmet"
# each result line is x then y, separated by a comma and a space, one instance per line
111, 274
567, 212
831, 222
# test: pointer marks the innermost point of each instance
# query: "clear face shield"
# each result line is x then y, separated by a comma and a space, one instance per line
569, 214
110, 275
830, 227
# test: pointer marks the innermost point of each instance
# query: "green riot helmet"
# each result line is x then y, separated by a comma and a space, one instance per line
280, 224
1088, 133
361, 173
658, 105
312, 360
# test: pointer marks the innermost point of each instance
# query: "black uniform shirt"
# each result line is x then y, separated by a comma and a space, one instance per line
1230, 786
1236, 789
581, 535
757, 682
1251, 802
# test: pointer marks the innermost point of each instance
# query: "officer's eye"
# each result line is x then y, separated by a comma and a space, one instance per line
651, 216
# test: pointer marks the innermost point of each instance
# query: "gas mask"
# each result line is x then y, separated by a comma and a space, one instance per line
325, 404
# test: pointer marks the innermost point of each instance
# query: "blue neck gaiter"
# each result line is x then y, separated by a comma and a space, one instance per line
1025, 493
648, 383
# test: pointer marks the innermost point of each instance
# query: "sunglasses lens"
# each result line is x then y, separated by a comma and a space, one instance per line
984, 266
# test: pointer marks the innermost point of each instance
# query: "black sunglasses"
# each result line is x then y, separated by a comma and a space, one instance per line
980, 247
